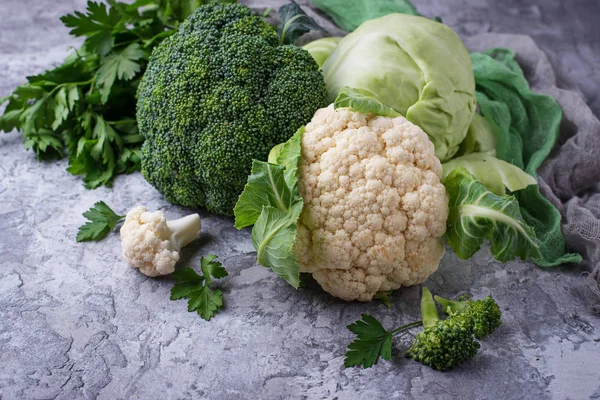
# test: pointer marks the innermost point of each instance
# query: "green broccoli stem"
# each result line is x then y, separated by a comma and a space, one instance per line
429, 312
184, 230
406, 327
454, 306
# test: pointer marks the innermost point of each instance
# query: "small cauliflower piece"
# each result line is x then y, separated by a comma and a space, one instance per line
152, 244
374, 208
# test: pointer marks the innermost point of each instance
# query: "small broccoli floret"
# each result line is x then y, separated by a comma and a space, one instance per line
216, 95
483, 315
443, 344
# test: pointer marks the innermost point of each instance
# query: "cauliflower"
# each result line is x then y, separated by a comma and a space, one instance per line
374, 208
152, 244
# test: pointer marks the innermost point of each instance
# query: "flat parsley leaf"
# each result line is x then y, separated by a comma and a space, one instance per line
196, 288
97, 25
102, 220
120, 65
373, 341
85, 107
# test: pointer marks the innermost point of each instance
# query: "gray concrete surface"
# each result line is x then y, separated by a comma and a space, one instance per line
77, 322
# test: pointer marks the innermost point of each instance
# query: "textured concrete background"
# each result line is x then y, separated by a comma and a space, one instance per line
76, 322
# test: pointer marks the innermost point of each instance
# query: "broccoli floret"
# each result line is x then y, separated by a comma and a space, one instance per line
442, 344
216, 95
483, 315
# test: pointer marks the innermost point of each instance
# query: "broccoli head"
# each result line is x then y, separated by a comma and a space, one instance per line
483, 315
442, 344
217, 94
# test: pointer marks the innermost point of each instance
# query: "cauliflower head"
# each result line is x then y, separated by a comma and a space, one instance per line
374, 208
152, 244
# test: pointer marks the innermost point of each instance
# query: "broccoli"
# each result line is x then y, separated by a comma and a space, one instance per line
482, 315
442, 344
216, 95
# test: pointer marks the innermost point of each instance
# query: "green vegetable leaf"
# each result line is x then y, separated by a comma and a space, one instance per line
120, 65
43, 141
97, 25
271, 202
526, 127
288, 155
496, 175
273, 184
294, 23
61, 108
480, 138
360, 100
201, 298
211, 268
86, 105
102, 220
266, 187
350, 14
273, 237
10, 120
73, 96
385, 297
476, 214
373, 341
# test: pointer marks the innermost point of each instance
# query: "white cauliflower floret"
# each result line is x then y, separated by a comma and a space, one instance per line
152, 244
375, 210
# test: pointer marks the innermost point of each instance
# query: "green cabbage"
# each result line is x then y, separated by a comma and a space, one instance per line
321, 49
480, 138
416, 66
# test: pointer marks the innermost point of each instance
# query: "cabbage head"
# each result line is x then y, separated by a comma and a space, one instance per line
416, 66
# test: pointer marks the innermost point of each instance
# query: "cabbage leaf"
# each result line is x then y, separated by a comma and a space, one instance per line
496, 175
321, 49
480, 138
476, 214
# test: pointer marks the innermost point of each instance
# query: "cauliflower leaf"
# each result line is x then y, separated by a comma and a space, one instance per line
273, 237
273, 184
364, 101
266, 187
288, 156
477, 214
271, 202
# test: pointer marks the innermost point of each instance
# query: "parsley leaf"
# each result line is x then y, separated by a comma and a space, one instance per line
196, 288
373, 341
85, 107
97, 25
120, 65
102, 220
